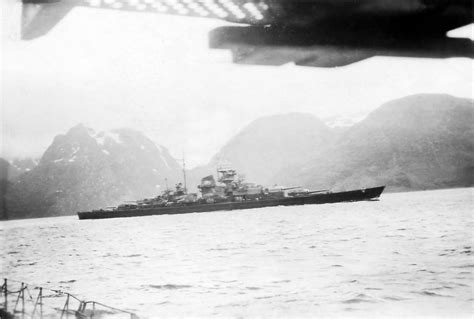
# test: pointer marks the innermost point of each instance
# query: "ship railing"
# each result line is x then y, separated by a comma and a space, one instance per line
22, 300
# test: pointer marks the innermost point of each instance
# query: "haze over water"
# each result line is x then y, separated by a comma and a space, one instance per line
407, 254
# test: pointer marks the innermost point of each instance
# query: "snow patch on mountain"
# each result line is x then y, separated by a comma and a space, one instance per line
114, 136
102, 137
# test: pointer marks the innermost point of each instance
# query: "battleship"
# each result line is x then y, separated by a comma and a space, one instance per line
229, 192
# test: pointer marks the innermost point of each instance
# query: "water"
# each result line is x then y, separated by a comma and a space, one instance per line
407, 254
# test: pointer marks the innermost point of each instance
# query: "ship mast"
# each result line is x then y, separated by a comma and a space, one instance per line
184, 175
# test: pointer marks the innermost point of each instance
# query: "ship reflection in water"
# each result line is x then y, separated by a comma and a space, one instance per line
409, 254
230, 193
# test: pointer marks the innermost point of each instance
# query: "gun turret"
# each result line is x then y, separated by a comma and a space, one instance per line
287, 188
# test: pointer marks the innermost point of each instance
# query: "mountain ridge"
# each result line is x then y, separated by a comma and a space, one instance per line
417, 142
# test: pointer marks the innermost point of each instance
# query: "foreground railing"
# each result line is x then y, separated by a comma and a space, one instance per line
22, 300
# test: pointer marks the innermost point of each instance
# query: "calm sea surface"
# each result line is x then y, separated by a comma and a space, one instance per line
407, 254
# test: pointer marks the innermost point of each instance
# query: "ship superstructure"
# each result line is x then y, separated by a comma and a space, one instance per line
229, 186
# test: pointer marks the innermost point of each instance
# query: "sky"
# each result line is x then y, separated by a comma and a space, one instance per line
155, 73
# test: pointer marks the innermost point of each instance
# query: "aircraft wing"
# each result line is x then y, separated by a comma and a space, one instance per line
39, 16
323, 33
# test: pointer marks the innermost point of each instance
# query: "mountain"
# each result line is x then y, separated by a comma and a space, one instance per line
22, 165
10, 171
6, 170
85, 170
270, 144
417, 142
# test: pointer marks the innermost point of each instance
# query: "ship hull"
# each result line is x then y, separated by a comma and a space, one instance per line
321, 198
